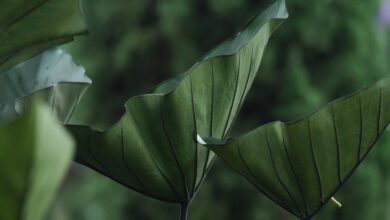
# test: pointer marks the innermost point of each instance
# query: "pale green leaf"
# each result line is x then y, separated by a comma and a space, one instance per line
35, 152
51, 75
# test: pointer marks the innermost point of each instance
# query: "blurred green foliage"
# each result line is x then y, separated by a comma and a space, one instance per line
325, 50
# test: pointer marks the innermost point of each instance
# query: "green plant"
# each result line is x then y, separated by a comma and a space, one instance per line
35, 150
152, 148
47, 23
156, 147
32, 163
304, 163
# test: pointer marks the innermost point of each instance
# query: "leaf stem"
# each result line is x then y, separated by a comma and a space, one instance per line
184, 211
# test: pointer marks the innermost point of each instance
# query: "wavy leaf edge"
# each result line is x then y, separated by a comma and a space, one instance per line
277, 11
44, 79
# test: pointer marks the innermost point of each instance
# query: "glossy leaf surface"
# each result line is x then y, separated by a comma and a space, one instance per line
152, 149
35, 152
29, 27
52, 75
300, 165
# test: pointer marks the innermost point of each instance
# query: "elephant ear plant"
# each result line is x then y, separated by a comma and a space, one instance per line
156, 147
166, 142
300, 165
35, 150
152, 148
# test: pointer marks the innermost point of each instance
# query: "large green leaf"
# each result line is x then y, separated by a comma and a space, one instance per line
152, 149
35, 152
300, 165
28, 27
52, 75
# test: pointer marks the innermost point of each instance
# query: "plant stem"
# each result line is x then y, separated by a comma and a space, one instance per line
184, 211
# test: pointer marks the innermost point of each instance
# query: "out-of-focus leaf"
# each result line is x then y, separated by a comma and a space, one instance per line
300, 165
52, 75
35, 152
152, 148
29, 27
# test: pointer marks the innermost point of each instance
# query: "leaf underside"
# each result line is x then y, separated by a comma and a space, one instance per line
300, 165
52, 75
28, 28
152, 148
27, 145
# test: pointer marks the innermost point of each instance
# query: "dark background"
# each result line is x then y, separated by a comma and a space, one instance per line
326, 49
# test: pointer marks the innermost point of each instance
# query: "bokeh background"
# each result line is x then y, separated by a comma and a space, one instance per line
326, 49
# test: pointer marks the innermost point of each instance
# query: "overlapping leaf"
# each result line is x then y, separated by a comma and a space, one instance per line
52, 75
35, 152
152, 149
29, 27
300, 165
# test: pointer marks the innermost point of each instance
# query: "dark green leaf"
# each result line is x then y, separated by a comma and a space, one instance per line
152, 149
52, 75
300, 165
29, 27
35, 152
